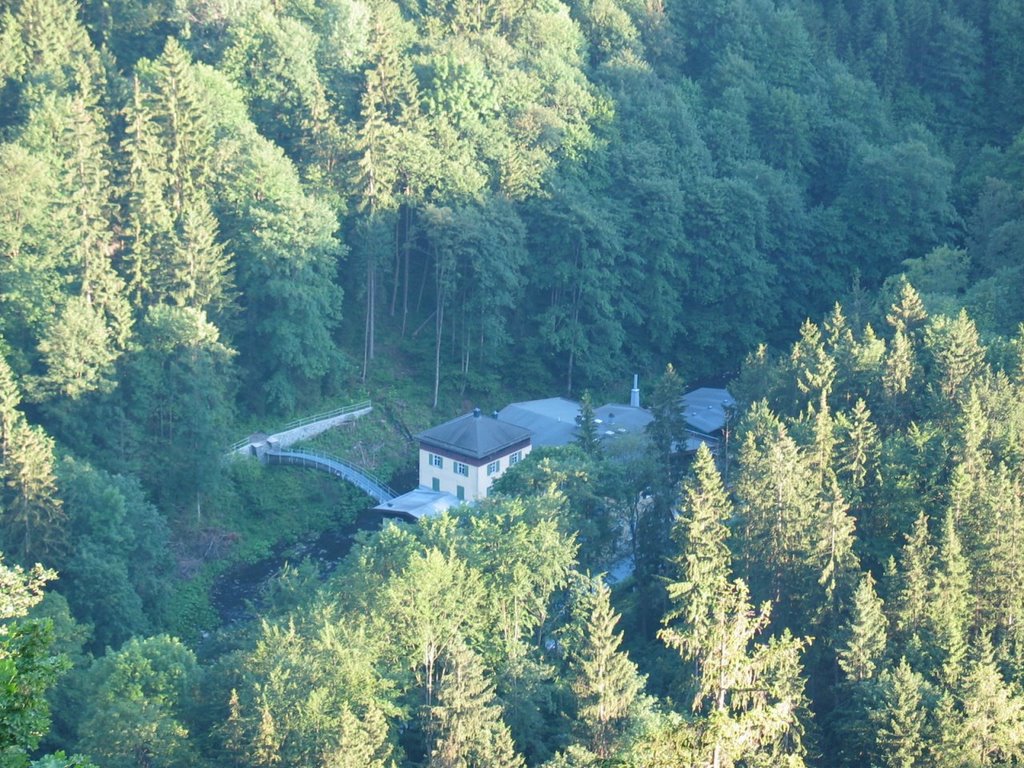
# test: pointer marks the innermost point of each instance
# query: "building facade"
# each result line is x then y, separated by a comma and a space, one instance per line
466, 455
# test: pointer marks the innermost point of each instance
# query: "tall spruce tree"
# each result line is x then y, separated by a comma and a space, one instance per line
605, 682
908, 314
815, 369
667, 433
864, 638
177, 255
149, 218
749, 699
780, 516
839, 564
1000, 591
466, 721
957, 353
913, 592
861, 651
586, 436
31, 510
950, 608
900, 719
993, 711
859, 450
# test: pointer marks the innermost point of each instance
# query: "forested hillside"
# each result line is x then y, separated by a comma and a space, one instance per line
217, 215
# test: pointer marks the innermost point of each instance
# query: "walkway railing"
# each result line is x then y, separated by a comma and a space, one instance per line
338, 467
326, 415
343, 411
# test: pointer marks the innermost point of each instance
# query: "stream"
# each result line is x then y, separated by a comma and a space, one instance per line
237, 588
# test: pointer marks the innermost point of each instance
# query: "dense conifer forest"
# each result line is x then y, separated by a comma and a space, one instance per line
216, 215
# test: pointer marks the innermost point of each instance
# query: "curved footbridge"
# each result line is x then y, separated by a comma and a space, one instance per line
275, 449
346, 470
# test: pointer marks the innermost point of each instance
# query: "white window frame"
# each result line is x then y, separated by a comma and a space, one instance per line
494, 467
515, 458
436, 461
461, 469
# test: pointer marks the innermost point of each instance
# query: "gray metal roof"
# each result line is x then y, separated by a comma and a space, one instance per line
615, 419
551, 421
704, 409
474, 435
421, 502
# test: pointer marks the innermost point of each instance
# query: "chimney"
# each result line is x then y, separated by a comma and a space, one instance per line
634, 394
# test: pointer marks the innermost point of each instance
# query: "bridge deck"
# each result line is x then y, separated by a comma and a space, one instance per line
337, 467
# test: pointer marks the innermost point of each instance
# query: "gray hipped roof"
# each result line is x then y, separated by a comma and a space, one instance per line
704, 409
551, 421
474, 435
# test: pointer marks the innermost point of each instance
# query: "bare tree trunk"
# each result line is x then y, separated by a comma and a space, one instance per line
398, 265
407, 247
370, 330
440, 270
438, 329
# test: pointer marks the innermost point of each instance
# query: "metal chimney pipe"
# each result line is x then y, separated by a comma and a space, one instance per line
634, 394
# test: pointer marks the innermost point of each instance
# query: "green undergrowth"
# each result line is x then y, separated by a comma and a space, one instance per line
374, 442
255, 510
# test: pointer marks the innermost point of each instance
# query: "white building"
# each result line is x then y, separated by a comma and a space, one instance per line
466, 455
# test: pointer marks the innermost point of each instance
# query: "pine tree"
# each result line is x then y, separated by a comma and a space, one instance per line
908, 315
174, 99
87, 180
780, 516
31, 511
78, 351
33, 514
860, 448
901, 718
467, 721
839, 563
586, 437
913, 591
865, 636
815, 368
996, 579
666, 432
948, 745
201, 266
87, 173
900, 368
704, 565
840, 346
605, 682
823, 448
993, 712
10, 399
950, 606
57, 52
149, 220
750, 699
176, 255
956, 349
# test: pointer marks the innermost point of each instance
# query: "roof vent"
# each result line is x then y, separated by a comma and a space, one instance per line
634, 394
